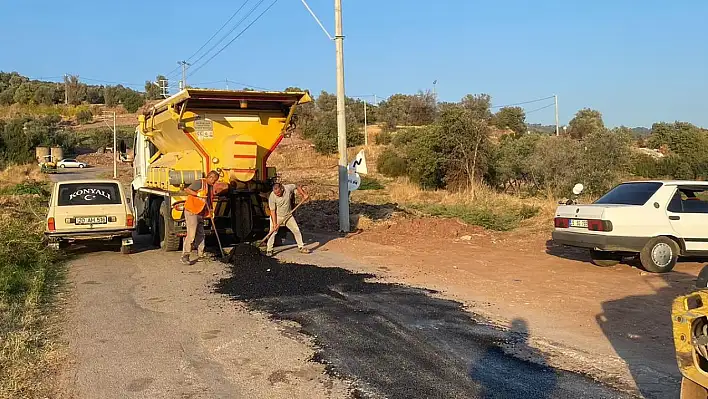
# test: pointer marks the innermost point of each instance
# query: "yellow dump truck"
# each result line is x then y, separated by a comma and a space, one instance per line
195, 131
689, 314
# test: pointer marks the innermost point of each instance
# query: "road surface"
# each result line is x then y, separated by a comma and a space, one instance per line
145, 326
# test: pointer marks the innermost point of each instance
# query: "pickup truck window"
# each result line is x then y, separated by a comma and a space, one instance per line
630, 194
89, 194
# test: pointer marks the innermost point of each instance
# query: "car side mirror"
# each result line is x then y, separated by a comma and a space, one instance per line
702, 279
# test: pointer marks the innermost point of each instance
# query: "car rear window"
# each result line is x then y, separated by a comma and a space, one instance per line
630, 194
89, 194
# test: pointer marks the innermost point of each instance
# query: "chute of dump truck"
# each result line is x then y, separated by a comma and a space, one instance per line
182, 138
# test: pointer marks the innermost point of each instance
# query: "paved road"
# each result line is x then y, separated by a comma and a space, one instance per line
145, 326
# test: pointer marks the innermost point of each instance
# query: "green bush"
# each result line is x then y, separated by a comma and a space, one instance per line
369, 183
384, 138
133, 101
28, 188
84, 116
390, 164
490, 219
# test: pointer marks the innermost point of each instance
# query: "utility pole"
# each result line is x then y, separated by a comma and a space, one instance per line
163, 87
341, 121
184, 64
115, 154
376, 102
555, 97
115, 149
66, 89
227, 84
366, 136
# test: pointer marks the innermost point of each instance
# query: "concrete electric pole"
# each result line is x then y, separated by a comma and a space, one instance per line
183, 82
555, 97
366, 136
341, 121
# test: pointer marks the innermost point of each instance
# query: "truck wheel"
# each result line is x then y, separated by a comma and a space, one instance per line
604, 258
659, 255
691, 390
168, 239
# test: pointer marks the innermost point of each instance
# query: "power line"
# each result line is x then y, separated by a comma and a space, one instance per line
241, 21
522, 103
219, 30
538, 109
111, 82
237, 36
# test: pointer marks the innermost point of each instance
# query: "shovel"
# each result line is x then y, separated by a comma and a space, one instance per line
213, 228
285, 219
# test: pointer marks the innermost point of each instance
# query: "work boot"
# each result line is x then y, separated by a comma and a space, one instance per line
185, 259
204, 257
303, 250
269, 253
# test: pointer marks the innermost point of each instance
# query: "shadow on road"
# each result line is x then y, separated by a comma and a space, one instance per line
488, 369
646, 343
397, 341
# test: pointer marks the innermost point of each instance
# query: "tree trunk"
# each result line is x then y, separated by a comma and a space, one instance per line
474, 167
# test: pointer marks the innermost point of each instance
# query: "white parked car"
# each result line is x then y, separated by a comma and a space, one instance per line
659, 220
70, 163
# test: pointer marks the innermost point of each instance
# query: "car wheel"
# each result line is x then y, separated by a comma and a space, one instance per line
604, 258
81, 166
659, 255
62, 166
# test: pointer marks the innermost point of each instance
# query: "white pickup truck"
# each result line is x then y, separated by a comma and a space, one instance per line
659, 220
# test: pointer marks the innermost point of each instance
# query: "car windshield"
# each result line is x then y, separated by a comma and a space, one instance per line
89, 194
630, 194
69, 160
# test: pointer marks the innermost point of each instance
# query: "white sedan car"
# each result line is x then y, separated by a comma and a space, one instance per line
658, 220
70, 163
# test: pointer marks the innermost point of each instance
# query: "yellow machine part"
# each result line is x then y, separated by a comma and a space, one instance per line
689, 316
230, 131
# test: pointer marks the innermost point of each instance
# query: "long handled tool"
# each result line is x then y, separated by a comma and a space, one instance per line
213, 228
285, 219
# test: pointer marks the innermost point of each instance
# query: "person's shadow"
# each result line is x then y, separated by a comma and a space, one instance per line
497, 373
640, 330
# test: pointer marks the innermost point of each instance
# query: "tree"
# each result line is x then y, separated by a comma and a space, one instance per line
133, 101
478, 105
466, 146
44, 94
94, 95
24, 93
513, 118
586, 122
7, 96
153, 90
110, 95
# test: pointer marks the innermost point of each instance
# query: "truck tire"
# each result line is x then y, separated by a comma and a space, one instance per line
169, 241
691, 390
604, 258
659, 255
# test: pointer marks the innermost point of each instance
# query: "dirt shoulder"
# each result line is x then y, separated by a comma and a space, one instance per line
611, 323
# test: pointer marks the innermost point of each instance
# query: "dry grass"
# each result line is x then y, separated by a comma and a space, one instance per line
298, 162
29, 277
18, 174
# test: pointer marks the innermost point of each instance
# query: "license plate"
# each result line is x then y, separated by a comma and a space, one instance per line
579, 223
92, 220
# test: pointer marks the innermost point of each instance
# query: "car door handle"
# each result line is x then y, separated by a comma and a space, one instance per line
674, 217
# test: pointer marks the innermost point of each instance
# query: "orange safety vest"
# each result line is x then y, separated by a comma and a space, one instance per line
197, 205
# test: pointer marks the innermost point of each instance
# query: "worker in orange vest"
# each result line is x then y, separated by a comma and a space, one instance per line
196, 208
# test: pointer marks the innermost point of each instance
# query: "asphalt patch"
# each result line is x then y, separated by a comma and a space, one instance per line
399, 342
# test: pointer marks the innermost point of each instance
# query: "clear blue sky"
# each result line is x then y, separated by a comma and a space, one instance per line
637, 61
